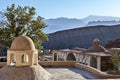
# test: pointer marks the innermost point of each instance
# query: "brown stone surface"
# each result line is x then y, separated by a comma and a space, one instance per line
24, 73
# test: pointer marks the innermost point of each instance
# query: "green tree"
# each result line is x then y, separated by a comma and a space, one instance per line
21, 21
116, 59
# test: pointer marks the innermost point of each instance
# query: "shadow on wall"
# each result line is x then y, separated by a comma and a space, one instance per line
93, 62
71, 57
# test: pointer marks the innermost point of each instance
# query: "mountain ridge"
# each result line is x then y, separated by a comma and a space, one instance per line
81, 37
62, 23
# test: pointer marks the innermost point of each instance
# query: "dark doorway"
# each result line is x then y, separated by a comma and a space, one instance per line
93, 62
55, 57
71, 57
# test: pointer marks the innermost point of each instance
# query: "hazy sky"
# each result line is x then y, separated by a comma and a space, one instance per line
68, 8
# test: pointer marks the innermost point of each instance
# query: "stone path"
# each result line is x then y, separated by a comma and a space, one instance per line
59, 73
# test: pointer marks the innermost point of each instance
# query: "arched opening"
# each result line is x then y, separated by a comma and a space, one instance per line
55, 57
12, 57
71, 57
24, 58
93, 62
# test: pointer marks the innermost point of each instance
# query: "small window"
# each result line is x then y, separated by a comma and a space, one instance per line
24, 58
12, 59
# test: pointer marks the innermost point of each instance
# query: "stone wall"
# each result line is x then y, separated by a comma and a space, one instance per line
96, 72
58, 64
50, 63
74, 64
81, 37
3, 64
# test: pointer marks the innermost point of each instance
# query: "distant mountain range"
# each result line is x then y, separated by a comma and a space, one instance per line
109, 23
82, 37
62, 23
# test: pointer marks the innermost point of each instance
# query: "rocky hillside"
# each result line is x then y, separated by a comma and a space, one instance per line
81, 37
113, 44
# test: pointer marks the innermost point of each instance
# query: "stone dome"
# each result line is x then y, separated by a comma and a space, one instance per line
22, 43
96, 42
97, 47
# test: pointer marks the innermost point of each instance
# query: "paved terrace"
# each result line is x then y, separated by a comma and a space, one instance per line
62, 73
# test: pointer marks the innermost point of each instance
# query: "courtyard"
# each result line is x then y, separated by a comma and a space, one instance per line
69, 73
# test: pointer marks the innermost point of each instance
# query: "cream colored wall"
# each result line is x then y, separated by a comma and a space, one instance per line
83, 58
32, 57
99, 63
52, 64
96, 72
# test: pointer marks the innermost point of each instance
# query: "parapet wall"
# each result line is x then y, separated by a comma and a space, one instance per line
95, 71
3, 64
73, 64
50, 64
58, 64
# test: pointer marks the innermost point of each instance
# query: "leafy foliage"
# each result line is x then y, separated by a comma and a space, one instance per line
116, 59
21, 21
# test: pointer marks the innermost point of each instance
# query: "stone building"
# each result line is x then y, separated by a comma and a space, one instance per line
22, 52
96, 56
22, 62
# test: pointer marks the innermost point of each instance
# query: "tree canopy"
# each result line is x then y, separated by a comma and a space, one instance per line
21, 21
116, 59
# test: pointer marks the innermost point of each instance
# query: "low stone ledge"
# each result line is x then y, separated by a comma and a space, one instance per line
57, 63
50, 63
95, 71
2, 64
